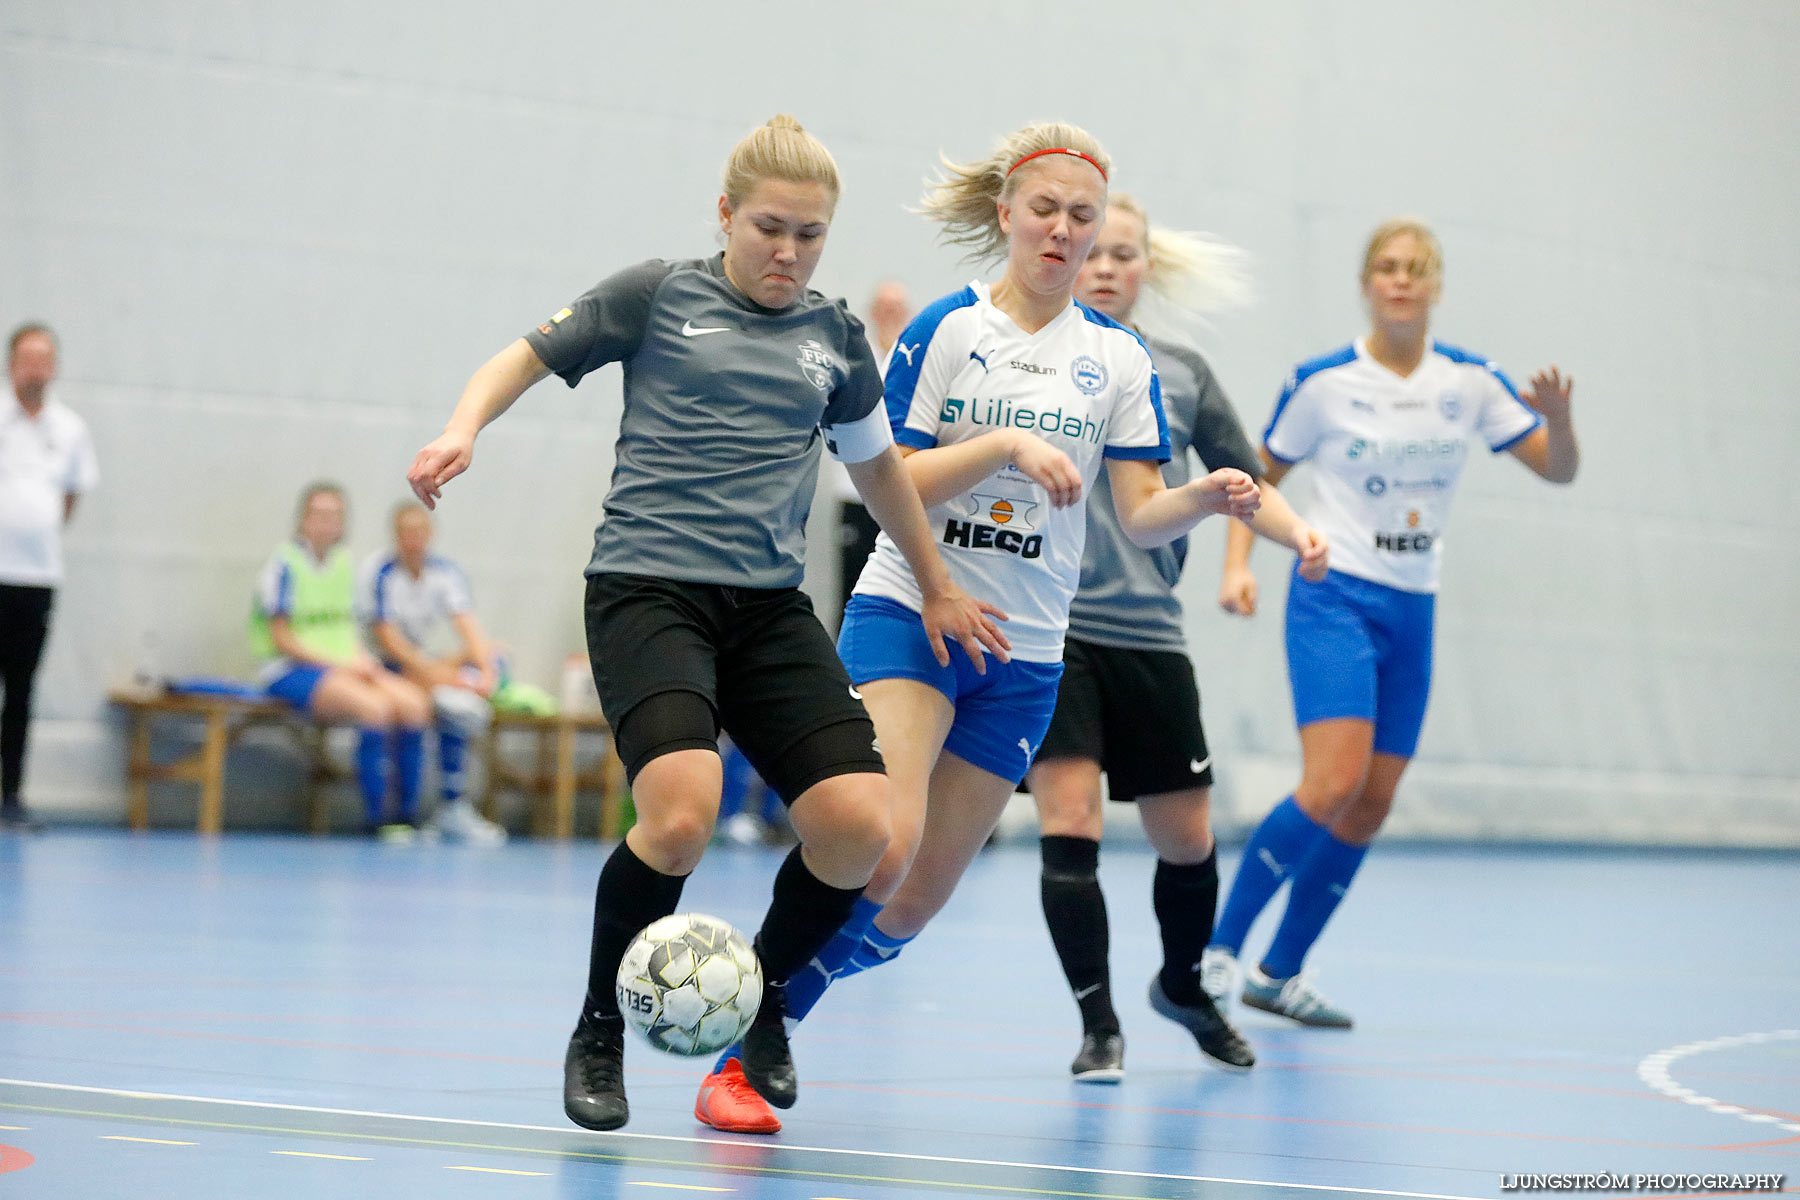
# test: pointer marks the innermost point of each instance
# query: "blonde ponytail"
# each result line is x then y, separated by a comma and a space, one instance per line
780, 149
963, 197
1191, 274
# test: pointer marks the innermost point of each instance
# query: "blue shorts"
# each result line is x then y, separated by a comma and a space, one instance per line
1000, 716
1361, 649
296, 685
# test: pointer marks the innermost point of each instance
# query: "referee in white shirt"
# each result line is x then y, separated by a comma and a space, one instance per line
46, 462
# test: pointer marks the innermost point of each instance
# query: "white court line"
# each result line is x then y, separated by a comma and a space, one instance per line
1654, 1070
704, 1141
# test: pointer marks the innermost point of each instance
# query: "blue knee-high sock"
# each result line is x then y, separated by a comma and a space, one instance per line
736, 782
876, 948
809, 982
371, 772
1285, 837
409, 758
453, 751
1320, 882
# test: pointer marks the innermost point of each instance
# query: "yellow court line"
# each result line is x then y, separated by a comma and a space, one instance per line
119, 1137
644, 1160
16, 1128
598, 1156
495, 1171
309, 1154
686, 1187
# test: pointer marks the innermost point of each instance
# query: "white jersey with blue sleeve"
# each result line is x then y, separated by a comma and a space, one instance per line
1389, 451
1083, 382
419, 606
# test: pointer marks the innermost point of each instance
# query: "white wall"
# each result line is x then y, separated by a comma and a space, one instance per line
276, 242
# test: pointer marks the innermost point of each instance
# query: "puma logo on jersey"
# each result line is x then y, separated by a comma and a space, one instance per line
689, 329
908, 351
978, 358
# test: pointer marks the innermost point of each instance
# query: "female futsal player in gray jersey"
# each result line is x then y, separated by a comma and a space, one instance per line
734, 374
1127, 704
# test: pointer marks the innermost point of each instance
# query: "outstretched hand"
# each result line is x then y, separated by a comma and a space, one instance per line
442, 460
959, 616
1549, 393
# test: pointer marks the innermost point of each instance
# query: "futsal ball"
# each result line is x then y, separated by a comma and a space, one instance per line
690, 984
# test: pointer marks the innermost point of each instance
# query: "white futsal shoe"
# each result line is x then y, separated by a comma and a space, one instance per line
1218, 974
458, 821
1294, 998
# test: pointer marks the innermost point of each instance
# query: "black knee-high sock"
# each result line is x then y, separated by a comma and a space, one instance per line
1075, 911
629, 896
1185, 899
803, 914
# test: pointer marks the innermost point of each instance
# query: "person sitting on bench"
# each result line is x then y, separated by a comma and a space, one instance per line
303, 629
419, 618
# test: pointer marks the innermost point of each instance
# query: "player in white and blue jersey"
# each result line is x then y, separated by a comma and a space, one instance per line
1007, 399
737, 377
1388, 422
1128, 705
418, 616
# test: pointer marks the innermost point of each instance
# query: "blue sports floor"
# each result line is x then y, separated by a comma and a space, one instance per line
278, 1017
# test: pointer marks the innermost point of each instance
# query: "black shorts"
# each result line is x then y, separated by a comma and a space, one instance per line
757, 657
1136, 713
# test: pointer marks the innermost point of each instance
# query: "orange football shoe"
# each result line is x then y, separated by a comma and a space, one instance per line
728, 1102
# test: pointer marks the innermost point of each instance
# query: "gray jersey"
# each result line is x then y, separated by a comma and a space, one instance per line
1127, 595
726, 406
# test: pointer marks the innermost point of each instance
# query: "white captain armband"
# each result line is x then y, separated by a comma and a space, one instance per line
862, 439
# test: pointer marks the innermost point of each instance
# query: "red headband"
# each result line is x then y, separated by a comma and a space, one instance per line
1088, 158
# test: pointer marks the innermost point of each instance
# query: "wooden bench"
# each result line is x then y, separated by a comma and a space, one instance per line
224, 720
550, 783
554, 777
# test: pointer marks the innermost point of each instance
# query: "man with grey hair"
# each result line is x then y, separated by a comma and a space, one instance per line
46, 462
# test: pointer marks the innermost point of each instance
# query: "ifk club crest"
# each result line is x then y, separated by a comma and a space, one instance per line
1089, 375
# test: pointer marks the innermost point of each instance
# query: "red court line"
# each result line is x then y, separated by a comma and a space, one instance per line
253, 1039
295, 1043
1792, 1140
1483, 1080
303, 1044
823, 1023
282, 1018
1236, 1116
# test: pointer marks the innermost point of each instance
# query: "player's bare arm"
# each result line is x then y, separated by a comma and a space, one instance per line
489, 392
